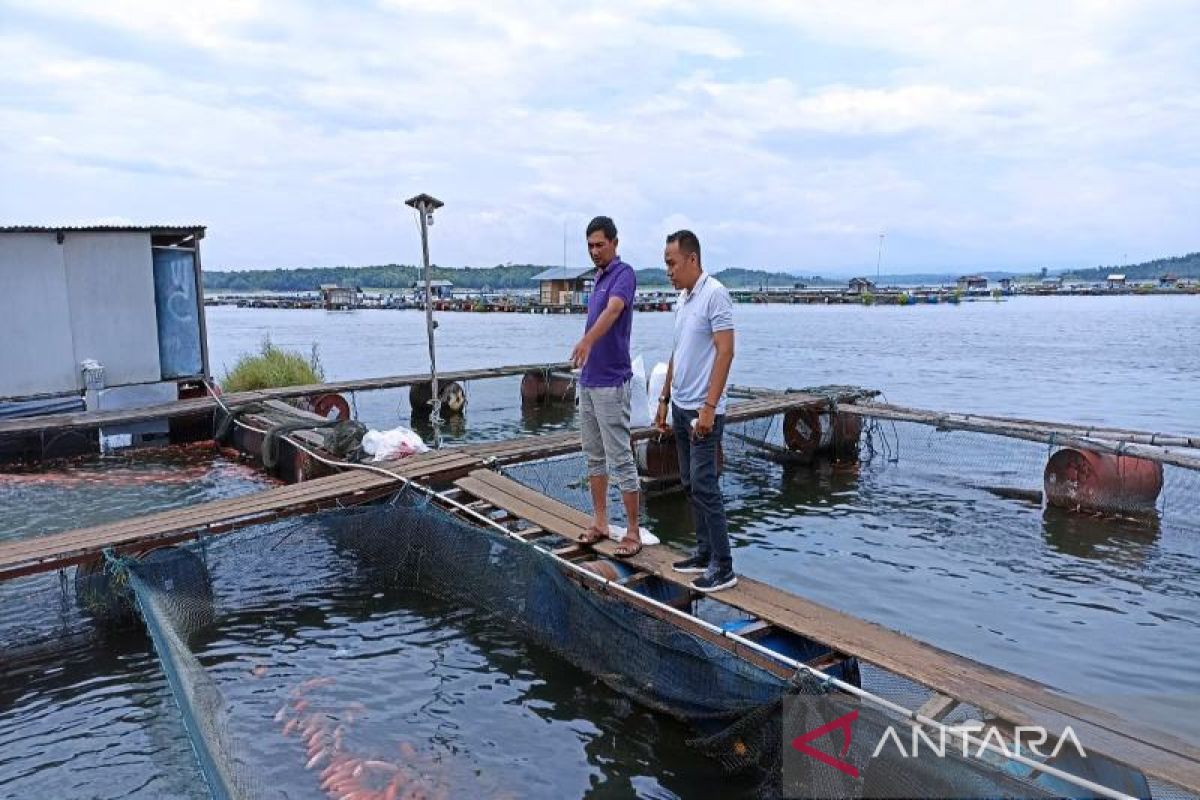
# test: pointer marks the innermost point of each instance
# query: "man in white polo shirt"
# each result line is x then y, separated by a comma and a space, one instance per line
695, 392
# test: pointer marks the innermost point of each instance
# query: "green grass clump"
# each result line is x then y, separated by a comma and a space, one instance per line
273, 368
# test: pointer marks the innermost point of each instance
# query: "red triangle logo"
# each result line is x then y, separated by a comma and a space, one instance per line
842, 723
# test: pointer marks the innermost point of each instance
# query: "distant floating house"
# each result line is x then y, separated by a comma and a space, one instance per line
335, 297
1052, 283
861, 285
1116, 280
441, 290
1169, 280
1005, 284
561, 286
967, 283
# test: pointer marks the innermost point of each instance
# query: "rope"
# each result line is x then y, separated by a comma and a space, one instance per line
270, 447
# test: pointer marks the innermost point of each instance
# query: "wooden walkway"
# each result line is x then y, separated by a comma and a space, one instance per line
53, 551
56, 550
202, 405
1010, 697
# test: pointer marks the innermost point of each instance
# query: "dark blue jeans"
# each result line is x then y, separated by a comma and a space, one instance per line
701, 484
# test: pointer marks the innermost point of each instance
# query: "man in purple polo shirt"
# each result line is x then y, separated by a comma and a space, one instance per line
604, 386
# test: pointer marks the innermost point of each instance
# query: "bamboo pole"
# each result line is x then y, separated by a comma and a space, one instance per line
1060, 437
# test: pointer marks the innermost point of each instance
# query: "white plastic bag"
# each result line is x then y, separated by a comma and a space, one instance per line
654, 389
638, 418
396, 443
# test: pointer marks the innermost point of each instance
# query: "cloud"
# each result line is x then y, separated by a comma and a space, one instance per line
786, 134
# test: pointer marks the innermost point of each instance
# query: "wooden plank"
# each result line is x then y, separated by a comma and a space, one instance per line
755, 629
28, 553
201, 405
332, 487
937, 707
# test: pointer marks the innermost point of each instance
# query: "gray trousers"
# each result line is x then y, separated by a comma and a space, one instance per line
604, 424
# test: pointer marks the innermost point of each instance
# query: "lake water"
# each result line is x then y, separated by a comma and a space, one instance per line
1109, 611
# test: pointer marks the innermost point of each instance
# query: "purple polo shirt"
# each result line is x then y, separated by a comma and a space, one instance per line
608, 363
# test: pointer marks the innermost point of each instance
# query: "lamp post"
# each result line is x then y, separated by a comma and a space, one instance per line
879, 258
425, 206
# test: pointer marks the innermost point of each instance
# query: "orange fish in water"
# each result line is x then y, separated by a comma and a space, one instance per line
339, 775
321, 755
258, 671
291, 725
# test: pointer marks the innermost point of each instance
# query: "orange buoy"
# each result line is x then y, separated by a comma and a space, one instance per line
1084, 479
812, 431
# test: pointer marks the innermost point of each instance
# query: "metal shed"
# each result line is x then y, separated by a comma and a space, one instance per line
109, 316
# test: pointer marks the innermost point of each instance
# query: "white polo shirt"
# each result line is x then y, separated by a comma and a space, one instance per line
699, 313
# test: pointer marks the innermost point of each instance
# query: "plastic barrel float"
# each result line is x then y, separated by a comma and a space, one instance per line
658, 459
1104, 482
539, 387
451, 394
809, 432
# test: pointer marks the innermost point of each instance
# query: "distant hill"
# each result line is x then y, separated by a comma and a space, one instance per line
1181, 266
520, 276
500, 277
388, 276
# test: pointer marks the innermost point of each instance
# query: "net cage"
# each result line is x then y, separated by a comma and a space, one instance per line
739, 712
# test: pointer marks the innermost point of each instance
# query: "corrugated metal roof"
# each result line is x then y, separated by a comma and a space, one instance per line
102, 229
563, 274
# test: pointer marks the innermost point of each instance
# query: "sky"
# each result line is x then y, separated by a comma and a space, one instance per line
788, 134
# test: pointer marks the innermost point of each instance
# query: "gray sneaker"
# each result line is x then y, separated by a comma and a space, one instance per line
715, 581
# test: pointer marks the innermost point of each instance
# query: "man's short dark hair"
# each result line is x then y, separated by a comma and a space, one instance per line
605, 225
687, 243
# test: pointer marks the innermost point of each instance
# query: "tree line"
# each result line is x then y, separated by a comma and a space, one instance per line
498, 278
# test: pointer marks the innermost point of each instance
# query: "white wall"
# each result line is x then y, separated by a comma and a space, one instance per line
36, 353
110, 283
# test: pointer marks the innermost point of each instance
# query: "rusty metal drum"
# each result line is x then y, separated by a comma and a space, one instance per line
812, 431
1104, 482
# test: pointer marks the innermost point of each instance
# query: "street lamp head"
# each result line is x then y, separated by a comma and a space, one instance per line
424, 203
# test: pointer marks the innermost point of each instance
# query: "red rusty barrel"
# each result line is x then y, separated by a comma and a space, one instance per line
539, 387
1084, 479
657, 459
533, 388
561, 388
812, 431
331, 407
